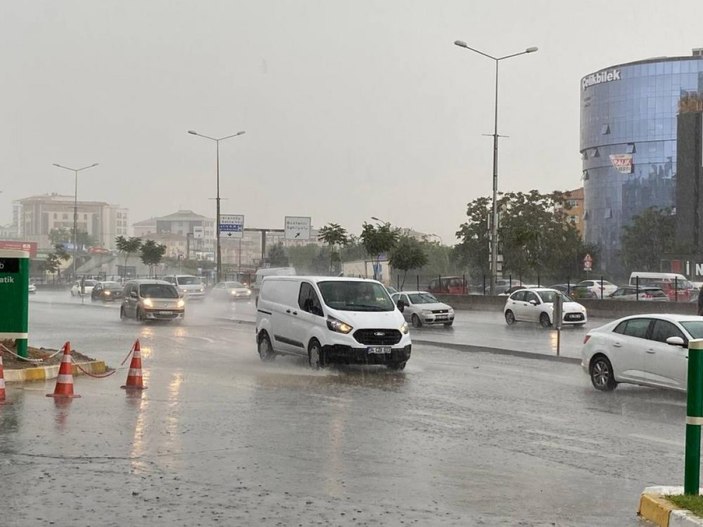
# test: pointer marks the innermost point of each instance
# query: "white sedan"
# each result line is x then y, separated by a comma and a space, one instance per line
422, 308
650, 350
83, 287
537, 305
601, 288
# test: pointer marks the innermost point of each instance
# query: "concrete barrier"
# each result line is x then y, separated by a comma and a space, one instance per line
596, 308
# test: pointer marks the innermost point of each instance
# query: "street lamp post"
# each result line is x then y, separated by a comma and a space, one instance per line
494, 213
218, 257
75, 210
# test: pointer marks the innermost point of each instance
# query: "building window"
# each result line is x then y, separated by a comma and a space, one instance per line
585, 175
605, 129
630, 148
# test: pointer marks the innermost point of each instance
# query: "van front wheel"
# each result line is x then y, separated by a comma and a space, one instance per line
315, 355
266, 352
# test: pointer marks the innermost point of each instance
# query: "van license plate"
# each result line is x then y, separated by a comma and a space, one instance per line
165, 313
379, 349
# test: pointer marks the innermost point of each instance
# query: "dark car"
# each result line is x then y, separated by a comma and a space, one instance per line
106, 291
449, 285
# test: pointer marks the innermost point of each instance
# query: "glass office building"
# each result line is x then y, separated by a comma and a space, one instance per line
628, 143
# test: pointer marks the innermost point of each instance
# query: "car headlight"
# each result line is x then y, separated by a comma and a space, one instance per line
337, 325
107, 293
248, 292
404, 329
180, 303
451, 311
148, 302
426, 312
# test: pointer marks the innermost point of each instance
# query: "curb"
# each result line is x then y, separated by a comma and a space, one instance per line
468, 348
44, 373
655, 508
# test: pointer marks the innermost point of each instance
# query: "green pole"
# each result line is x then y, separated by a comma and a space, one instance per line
694, 417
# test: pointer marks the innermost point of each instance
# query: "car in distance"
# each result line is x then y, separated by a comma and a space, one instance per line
147, 299
649, 350
83, 287
449, 285
422, 308
537, 305
230, 291
601, 288
107, 291
645, 293
188, 285
32, 288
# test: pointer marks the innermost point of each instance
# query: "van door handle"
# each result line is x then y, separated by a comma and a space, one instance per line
617, 345
651, 351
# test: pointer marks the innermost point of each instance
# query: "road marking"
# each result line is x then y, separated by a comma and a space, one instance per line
654, 439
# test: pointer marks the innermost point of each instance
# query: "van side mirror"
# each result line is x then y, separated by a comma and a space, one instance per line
401, 306
132, 294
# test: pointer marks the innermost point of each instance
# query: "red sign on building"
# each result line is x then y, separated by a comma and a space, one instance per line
16, 245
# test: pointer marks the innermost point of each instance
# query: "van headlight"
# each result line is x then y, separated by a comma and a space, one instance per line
337, 325
180, 303
148, 302
404, 329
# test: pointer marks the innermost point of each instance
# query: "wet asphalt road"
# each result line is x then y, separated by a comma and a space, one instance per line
221, 439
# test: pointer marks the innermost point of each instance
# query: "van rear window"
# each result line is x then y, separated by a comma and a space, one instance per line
355, 296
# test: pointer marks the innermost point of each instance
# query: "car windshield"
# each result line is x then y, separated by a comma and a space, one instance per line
233, 285
189, 280
355, 296
422, 298
158, 291
548, 297
113, 286
694, 328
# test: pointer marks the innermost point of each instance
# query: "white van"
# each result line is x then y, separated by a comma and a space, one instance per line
646, 278
189, 286
271, 271
331, 320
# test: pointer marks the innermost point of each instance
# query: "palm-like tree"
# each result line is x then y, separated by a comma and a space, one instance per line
333, 235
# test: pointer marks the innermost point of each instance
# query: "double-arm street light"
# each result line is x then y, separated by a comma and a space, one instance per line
494, 214
75, 209
218, 257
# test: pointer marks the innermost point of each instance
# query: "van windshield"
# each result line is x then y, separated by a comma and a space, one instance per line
189, 280
355, 296
158, 291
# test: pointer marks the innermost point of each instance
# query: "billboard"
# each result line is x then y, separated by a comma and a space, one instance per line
622, 162
17, 245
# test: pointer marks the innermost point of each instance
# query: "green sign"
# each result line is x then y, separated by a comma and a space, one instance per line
14, 298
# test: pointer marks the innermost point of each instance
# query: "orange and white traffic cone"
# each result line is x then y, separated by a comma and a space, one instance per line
134, 377
64, 382
2, 381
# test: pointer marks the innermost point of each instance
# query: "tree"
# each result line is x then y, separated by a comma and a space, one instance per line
277, 256
127, 247
378, 240
333, 235
407, 254
534, 234
649, 236
54, 259
151, 254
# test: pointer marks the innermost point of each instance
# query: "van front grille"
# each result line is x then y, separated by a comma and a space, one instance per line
377, 337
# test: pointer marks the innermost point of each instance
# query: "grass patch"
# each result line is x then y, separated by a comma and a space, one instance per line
691, 503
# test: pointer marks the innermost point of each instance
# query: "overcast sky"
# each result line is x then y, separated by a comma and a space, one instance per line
352, 108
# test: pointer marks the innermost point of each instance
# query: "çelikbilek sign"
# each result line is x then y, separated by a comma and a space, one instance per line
14, 298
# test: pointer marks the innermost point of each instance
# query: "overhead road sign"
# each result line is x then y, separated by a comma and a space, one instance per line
231, 225
297, 228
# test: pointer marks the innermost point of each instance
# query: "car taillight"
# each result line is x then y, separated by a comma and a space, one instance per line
585, 339
647, 295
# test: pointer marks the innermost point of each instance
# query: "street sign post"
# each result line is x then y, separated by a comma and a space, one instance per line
14, 291
297, 228
231, 226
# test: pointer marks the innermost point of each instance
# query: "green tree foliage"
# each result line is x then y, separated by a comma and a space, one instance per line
334, 235
127, 247
151, 254
535, 236
64, 236
277, 256
378, 239
407, 254
53, 260
649, 236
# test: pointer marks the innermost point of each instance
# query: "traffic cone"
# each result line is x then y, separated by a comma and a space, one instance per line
134, 377
2, 381
64, 382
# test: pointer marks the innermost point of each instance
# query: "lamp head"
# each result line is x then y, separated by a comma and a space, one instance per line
193, 132
531, 49
460, 43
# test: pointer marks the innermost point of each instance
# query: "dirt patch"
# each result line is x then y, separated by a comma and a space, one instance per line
11, 362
